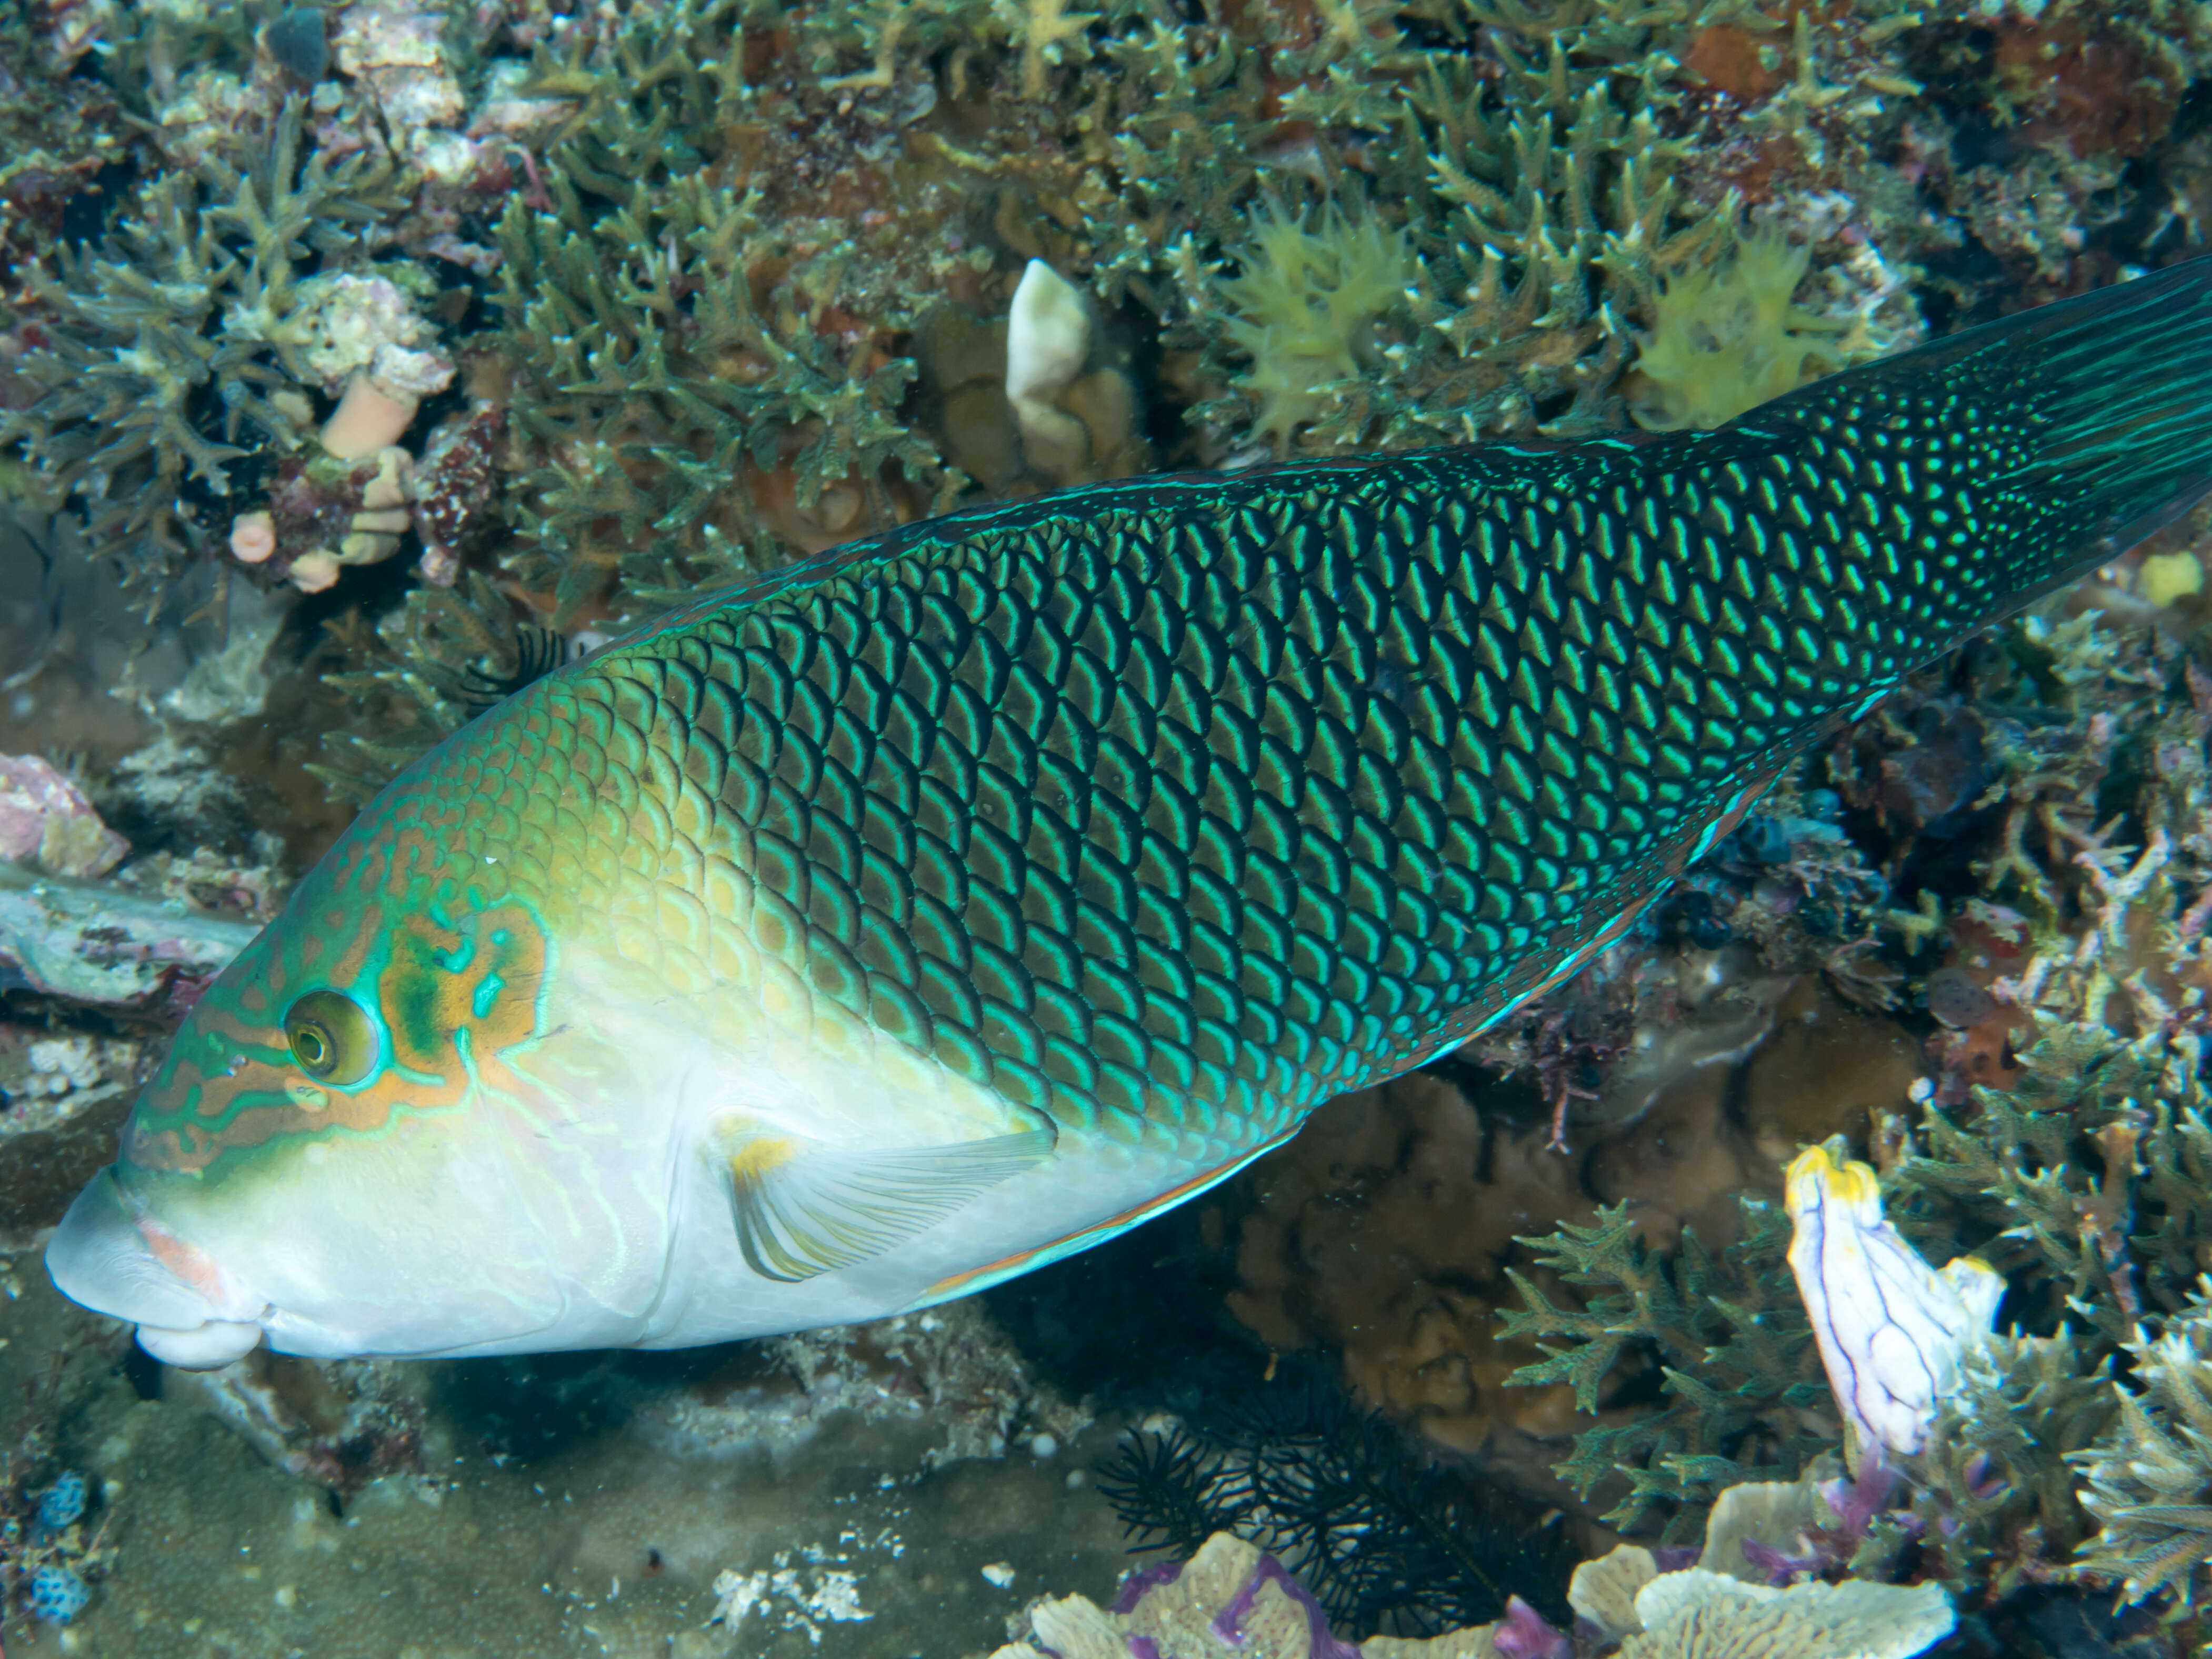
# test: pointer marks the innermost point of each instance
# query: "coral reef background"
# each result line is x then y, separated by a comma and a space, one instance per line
359, 361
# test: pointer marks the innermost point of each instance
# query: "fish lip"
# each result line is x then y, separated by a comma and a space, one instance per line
102, 1256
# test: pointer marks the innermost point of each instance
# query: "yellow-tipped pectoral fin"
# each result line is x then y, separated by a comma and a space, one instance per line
806, 1207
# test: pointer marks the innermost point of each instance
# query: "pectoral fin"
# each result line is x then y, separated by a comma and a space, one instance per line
802, 1208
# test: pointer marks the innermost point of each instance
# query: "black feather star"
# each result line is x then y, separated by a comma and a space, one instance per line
1386, 1545
538, 652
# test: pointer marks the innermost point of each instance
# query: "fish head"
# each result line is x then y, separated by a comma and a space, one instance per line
327, 1159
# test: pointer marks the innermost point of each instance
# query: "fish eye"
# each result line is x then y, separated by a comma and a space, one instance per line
332, 1037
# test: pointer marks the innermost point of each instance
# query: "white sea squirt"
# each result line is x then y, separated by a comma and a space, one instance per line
1892, 1330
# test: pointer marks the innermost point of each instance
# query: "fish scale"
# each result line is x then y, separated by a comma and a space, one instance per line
948, 902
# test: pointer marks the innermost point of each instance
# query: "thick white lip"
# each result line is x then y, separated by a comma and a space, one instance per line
208, 1347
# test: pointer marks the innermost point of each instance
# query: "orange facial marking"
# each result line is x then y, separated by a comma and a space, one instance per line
439, 990
441, 982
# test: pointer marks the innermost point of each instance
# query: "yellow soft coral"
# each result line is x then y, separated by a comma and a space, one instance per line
1307, 301
1725, 339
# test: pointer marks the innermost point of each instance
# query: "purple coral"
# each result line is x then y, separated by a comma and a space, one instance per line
1141, 1583
1525, 1633
1229, 1622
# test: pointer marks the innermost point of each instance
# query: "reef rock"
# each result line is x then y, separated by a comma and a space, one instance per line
44, 815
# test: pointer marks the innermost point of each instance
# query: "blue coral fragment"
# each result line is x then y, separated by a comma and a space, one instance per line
63, 1502
58, 1595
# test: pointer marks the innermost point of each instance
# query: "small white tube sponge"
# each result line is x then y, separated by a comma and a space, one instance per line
1048, 337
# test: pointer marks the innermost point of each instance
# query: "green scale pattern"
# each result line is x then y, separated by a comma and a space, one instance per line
1190, 796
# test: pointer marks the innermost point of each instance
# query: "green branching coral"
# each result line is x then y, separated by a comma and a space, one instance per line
162, 353
1733, 1352
1540, 215
2150, 1480
694, 398
2057, 1172
1993, 1489
1356, 226
2083, 1172
666, 403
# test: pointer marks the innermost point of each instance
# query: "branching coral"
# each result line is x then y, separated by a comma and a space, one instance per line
1731, 1342
164, 346
2067, 1138
663, 390
2150, 1480
1996, 1498
693, 391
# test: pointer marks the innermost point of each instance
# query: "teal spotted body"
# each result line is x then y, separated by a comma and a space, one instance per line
954, 900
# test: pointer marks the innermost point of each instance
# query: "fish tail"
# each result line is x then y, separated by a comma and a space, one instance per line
2072, 431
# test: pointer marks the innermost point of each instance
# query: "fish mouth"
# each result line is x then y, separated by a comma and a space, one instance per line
109, 1257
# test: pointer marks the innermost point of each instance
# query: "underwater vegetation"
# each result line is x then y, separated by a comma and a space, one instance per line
157, 349
1294, 1467
1733, 1344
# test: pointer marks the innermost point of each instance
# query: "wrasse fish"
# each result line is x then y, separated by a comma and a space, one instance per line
880, 928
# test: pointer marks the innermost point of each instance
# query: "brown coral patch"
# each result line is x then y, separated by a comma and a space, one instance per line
1727, 58
2098, 92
